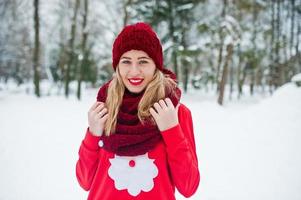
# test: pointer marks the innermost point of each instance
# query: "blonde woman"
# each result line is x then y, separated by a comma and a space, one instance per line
140, 141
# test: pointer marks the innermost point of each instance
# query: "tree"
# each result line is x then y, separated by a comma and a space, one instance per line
126, 18
221, 45
177, 15
85, 53
292, 29
36, 55
71, 48
225, 73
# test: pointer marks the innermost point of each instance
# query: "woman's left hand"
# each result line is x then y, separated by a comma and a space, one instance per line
165, 114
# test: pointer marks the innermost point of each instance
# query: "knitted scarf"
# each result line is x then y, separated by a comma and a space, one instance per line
131, 137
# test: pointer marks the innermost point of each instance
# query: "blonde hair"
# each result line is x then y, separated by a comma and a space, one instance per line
155, 90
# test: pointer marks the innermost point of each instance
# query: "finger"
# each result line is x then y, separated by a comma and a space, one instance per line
169, 103
99, 108
94, 105
153, 113
102, 113
157, 107
105, 117
162, 104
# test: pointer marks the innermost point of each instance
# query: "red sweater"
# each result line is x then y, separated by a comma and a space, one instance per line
153, 176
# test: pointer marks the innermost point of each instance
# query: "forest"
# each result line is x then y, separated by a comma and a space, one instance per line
219, 45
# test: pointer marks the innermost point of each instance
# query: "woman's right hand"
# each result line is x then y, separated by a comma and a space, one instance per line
97, 117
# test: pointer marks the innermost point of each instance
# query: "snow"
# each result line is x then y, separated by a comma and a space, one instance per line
185, 7
247, 150
168, 44
296, 78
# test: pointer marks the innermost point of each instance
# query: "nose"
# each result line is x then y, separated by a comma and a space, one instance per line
134, 70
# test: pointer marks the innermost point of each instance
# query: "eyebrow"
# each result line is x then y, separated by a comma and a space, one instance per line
143, 57
138, 58
125, 58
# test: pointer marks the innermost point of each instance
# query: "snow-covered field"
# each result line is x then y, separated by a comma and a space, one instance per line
248, 150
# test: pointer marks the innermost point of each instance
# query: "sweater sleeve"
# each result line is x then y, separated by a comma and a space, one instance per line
181, 153
87, 163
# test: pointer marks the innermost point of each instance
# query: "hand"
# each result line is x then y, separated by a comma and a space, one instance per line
97, 116
165, 114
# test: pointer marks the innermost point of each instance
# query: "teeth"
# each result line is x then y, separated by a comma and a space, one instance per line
135, 81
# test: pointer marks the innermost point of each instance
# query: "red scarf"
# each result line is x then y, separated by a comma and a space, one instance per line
131, 137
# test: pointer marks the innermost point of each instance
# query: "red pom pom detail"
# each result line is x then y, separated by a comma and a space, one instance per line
132, 163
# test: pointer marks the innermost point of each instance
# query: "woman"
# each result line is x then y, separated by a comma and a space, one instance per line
140, 142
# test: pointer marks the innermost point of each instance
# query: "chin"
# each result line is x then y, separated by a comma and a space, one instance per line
135, 90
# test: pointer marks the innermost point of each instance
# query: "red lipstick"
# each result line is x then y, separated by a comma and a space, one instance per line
135, 81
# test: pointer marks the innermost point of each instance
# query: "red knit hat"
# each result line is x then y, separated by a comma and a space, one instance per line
139, 36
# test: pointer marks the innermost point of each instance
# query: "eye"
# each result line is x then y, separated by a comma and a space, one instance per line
125, 62
141, 62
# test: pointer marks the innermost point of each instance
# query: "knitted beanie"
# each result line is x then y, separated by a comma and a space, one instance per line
139, 36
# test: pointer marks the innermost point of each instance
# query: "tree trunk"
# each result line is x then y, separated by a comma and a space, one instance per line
258, 78
225, 73
36, 55
242, 80
272, 63
278, 71
240, 61
126, 13
231, 77
252, 82
221, 47
84, 50
185, 63
71, 49
254, 58
239, 72
297, 47
219, 62
172, 35
292, 26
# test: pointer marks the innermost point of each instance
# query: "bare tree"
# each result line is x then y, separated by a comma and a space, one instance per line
254, 35
71, 48
84, 54
221, 46
225, 74
126, 18
185, 63
172, 35
292, 26
272, 62
297, 45
278, 71
36, 55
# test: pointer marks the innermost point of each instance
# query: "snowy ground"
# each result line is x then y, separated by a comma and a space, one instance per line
248, 150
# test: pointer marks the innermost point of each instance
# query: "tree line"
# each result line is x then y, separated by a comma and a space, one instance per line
222, 45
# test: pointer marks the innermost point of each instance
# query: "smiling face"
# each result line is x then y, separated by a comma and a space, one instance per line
136, 69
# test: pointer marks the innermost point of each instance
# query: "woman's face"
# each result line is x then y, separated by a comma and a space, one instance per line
136, 69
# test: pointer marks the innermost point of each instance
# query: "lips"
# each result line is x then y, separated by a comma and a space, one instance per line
136, 81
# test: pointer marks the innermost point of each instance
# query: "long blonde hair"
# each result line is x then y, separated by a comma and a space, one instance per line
154, 91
